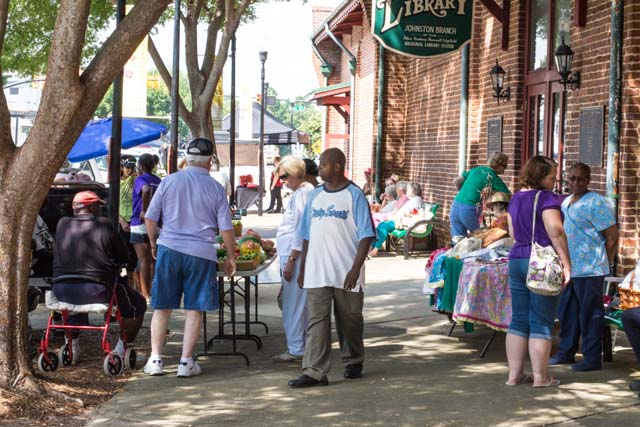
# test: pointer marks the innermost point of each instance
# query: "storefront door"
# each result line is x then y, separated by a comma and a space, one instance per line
545, 102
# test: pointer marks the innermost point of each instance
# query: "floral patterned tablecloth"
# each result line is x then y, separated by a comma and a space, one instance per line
484, 295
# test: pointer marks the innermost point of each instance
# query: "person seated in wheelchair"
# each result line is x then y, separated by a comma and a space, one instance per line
87, 260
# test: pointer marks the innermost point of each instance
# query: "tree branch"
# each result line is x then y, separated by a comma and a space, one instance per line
5, 117
166, 78
196, 80
215, 24
232, 20
4, 13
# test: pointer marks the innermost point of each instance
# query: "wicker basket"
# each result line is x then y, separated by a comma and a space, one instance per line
629, 297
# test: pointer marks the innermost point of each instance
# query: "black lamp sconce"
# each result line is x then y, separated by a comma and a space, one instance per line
564, 61
497, 81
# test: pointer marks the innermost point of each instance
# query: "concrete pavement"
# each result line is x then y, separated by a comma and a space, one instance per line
414, 374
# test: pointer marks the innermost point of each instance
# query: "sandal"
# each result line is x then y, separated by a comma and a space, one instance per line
553, 382
522, 379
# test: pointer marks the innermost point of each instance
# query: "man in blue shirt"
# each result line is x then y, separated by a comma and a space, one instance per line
194, 209
592, 234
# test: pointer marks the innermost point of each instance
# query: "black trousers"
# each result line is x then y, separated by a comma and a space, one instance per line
276, 199
631, 322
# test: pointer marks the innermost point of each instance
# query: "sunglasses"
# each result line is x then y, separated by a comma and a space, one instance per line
283, 177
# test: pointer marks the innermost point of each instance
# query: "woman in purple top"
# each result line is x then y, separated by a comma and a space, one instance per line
143, 188
533, 314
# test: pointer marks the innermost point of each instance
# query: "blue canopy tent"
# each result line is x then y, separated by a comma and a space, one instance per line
94, 140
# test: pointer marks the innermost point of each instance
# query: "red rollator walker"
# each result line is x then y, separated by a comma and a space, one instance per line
113, 364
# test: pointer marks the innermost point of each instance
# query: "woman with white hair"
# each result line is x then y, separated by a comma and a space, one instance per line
413, 204
292, 172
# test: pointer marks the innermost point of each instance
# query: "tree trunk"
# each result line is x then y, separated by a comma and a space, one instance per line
68, 101
201, 125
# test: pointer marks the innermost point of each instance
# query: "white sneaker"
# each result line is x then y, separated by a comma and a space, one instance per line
153, 367
188, 370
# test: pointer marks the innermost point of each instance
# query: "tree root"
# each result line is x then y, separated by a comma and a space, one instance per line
30, 385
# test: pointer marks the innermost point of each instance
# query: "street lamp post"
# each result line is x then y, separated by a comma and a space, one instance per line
263, 59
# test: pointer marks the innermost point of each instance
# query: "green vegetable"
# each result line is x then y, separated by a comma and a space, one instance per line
248, 238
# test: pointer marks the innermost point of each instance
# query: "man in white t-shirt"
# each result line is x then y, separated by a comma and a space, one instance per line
221, 177
337, 230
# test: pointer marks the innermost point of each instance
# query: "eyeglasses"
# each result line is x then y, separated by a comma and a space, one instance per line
283, 177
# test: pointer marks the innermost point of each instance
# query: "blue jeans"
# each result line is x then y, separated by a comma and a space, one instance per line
581, 313
533, 315
177, 274
464, 218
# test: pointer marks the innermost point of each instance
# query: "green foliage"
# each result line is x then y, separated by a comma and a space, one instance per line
29, 31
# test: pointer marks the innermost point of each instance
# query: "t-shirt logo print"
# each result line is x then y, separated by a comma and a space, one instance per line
330, 212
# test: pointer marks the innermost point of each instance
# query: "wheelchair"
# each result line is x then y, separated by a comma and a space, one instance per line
113, 363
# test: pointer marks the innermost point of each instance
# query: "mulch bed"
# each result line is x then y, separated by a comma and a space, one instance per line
85, 381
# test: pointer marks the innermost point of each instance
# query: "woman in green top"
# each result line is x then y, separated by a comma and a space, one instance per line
466, 208
126, 192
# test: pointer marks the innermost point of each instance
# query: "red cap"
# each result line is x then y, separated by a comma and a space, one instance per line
85, 199
367, 170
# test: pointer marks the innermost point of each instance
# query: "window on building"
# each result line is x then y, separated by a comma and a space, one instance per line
545, 101
14, 91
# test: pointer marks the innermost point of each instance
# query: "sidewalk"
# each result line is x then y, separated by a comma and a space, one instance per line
414, 374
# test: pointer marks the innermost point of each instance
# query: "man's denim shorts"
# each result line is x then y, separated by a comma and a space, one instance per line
178, 274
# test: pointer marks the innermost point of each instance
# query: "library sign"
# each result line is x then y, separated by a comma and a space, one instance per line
423, 28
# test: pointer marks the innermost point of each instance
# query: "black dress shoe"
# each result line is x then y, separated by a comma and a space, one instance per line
634, 385
304, 381
352, 372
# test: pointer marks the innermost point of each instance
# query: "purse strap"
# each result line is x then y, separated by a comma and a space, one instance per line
535, 210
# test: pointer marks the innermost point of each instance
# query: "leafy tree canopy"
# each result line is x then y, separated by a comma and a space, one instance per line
30, 28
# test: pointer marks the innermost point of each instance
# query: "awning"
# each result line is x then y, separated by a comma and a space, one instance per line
337, 96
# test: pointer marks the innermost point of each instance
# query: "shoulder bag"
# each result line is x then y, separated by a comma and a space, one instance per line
544, 276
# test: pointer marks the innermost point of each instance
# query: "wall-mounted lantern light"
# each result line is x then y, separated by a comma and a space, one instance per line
497, 81
564, 61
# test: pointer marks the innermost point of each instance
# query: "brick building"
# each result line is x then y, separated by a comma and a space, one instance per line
421, 112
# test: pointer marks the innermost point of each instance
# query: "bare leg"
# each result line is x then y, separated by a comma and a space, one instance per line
516, 354
136, 281
144, 258
159, 323
539, 351
192, 324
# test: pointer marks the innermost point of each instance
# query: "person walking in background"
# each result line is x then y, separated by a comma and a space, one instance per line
466, 207
275, 203
533, 314
193, 208
289, 245
337, 231
311, 172
127, 178
144, 187
592, 234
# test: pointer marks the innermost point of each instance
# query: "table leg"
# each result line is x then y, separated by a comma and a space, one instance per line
221, 335
256, 321
488, 343
453, 325
247, 312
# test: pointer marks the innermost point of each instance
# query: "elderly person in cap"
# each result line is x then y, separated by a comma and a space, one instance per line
466, 207
87, 258
498, 203
194, 209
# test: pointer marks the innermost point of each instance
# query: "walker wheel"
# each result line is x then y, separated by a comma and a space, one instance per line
64, 356
112, 364
51, 365
130, 358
